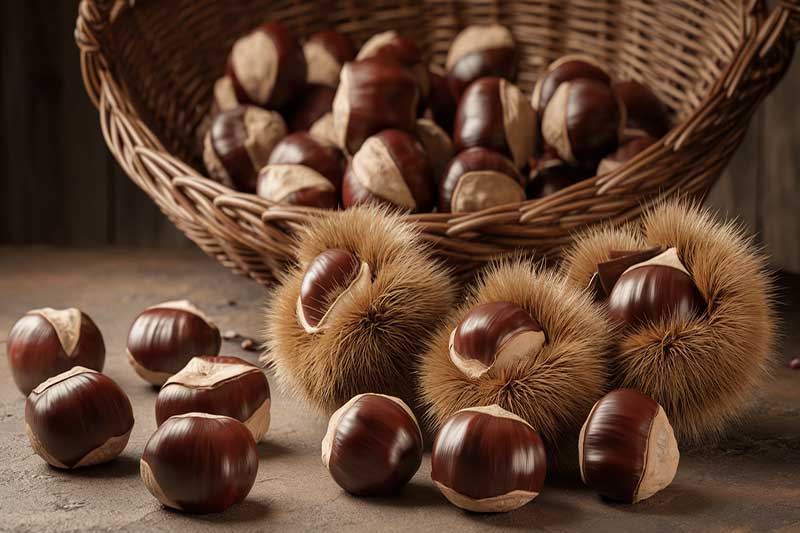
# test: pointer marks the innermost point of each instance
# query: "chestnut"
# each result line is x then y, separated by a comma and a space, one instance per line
390, 168
624, 153
315, 101
477, 179
391, 46
331, 278
200, 463
654, 289
494, 114
46, 342
373, 445
441, 101
437, 144
303, 171
549, 174
325, 52
566, 68
608, 272
373, 95
488, 460
645, 113
220, 385
479, 51
324, 131
627, 449
267, 66
78, 418
582, 121
224, 95
165, 337
493, 336
239, 143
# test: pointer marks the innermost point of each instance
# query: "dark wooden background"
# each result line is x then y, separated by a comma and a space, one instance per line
59, 184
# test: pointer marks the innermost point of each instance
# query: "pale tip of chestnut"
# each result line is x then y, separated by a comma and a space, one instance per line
65, 322
279, 182
668, 258
477, 38
519, 121
184, 305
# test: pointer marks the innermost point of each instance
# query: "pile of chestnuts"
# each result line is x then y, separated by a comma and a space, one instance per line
321, 124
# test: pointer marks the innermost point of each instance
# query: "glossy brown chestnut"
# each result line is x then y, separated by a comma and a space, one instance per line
493, 336
627, 448
373, 95
645, 113
165, 337
608, 272
46, 342
477, 179
221, 386
267, 66
567, 68
373, 445
653, 290
325, 52
486, 459
437, 144
624, 153
549, 174
441, 101
303, 170
494, 114
200, 463
479, 51
391, 168
315, 101
78, 418
582, 122
239, 143
330, 279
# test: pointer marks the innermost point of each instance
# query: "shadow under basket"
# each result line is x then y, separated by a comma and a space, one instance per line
149, 67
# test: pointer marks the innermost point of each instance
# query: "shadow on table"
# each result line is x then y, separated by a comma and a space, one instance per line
250, 510
271, 450
121, 467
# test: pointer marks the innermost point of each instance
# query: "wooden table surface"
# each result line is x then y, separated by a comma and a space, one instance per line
750, 481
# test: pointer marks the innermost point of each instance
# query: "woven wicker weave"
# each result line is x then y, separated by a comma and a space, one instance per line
149, 67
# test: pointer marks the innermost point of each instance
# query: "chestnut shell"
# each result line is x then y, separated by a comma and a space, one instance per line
326, 276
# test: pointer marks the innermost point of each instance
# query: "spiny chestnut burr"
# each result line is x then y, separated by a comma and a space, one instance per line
373, 445
200, 463
583, 120
567, 68
645, 113
479, 51
267, 66
437, 144
654, 289
78, 418
477, 179
441, 101
390, 168
627, 449
486, 459
624, 153
331, 278
494, 114
325, 52
221, 385
315, 101
373, 95
165, 337
303, 171
494, 336
46, 342
239, 143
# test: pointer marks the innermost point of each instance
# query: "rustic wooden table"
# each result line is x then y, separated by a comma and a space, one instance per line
750, 481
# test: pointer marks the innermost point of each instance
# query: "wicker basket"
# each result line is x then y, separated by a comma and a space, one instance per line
149, 66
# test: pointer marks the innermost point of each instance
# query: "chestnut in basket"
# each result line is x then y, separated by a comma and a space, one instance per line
200, 463
477, 179
324, 131
221, 385
373, 95
267, 66
224, 96
441, 101
479, 51
373, 445
549, 174
567, 68
165, 337
78, 418
303, 171
437, 144
310, 107
390, 168
582, 121
325, 52
488, 460
239, 143
46, 342
627, 449
624, 153
493, 113
645, 113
